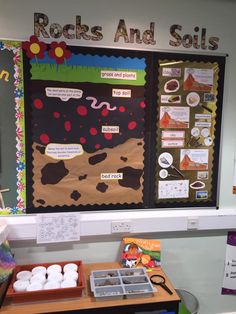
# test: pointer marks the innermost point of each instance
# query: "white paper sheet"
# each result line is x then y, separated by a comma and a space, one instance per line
52, 228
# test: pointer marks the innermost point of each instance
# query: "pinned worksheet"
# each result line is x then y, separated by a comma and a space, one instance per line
53, 228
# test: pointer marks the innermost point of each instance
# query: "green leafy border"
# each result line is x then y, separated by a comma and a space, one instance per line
15, 47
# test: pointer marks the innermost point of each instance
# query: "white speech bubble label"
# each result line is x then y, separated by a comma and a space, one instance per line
63, 151
64, 93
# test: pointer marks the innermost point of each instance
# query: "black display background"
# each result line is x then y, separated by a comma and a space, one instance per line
147, 135
151, 89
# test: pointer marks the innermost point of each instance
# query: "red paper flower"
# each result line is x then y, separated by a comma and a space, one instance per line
34, 48
59, 52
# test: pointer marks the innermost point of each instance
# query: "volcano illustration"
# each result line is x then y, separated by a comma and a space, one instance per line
191, 84
167, 122
188, 164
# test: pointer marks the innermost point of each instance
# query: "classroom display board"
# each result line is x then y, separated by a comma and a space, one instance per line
12, 145
114, 129
86, 120
189, 106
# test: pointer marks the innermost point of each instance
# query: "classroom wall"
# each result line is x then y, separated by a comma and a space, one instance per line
193, 260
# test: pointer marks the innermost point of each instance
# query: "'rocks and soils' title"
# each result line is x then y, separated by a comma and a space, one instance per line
198, 39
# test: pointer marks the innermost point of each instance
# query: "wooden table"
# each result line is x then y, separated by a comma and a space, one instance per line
87, 304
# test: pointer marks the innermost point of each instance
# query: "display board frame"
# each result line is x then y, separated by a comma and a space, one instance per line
13, 160
93, 52
152, 113
217, 106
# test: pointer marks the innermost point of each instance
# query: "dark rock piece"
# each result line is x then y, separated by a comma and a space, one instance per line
82, 177
102, 187
75, 195
124, 158
52, 173
97, 158
41, 149
40, 201
131, 177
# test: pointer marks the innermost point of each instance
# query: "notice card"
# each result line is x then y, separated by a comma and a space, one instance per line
53, 228
229, 281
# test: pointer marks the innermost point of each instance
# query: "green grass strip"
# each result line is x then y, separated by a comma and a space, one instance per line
66, 73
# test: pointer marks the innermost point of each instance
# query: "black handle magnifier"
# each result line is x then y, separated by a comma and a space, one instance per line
160, 281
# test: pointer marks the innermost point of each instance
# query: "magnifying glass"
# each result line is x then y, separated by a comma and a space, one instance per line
165, 160
160, 281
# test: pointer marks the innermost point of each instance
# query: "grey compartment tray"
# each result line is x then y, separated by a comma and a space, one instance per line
120, 283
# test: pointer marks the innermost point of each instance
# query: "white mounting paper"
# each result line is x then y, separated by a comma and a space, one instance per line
52, 228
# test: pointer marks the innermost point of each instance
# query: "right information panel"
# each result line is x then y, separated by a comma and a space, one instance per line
189, 103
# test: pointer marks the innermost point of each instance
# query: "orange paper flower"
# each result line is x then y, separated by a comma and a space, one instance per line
59, 52
34, 48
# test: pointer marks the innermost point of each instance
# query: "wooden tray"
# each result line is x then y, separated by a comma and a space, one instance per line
30, 296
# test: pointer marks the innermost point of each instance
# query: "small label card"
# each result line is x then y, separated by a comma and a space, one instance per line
52, 228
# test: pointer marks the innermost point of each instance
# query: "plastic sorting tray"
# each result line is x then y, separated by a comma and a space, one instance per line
120, 283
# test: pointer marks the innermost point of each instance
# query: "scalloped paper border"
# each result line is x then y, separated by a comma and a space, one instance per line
215, 66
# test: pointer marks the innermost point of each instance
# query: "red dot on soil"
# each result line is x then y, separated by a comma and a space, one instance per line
108, 136
82, 110
93, 131
67, 126
104, 112
122, 109
82, 140
132, 125
56, 115
44, 138
97, 146
142, 104
38, 104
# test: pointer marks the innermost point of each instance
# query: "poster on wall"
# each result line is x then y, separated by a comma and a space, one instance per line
234, 176
229, 283
12, 146
86, 127
189, 106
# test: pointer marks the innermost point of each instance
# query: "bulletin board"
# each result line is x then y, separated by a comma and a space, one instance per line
87, 138
117, 129
12, 144
188, 114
